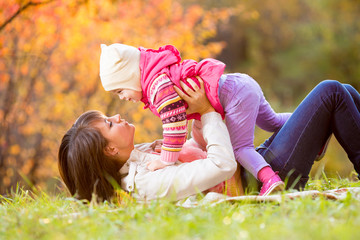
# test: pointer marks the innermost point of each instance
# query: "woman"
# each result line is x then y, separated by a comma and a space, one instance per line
98, 153
331, 108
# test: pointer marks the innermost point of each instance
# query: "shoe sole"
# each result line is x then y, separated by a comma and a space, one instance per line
278, 186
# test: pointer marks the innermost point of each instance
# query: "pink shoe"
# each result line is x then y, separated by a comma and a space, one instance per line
274, 184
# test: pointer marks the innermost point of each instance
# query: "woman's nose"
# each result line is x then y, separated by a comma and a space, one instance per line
115, 118
118, 118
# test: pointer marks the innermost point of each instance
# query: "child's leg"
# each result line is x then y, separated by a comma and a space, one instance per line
240, 97
329, 108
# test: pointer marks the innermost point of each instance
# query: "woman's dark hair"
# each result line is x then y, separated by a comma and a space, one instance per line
83, 164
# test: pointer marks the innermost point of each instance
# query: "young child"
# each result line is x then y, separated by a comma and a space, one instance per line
148, 75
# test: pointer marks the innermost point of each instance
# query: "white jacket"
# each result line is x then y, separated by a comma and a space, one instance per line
182, 179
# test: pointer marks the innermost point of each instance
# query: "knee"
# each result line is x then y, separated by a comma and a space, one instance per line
331, 85
350, 88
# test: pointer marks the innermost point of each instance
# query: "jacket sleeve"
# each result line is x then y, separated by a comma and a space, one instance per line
182, 180
268, 119
172, 111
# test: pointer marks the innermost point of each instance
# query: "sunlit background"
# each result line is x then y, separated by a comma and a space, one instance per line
49, 64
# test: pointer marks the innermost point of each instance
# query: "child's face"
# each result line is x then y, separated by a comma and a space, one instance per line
128, 94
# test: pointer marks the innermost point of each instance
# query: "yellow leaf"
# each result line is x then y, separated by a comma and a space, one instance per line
14, 149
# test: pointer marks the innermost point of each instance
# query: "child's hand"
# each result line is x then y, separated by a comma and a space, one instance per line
156, 164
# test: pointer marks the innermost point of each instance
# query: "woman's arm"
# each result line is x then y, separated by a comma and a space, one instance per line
197, 102
196, 134
180, 181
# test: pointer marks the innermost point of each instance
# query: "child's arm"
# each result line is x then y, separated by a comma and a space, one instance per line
172, 111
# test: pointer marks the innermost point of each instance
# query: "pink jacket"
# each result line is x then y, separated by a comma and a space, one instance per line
167, 60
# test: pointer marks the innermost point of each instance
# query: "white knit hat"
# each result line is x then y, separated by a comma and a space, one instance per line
119, 67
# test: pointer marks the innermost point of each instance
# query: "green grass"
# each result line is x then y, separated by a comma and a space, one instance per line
25, 215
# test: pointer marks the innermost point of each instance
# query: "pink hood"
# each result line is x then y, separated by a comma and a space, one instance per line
167, 60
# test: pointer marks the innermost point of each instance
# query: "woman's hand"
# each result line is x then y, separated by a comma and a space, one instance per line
196, 99
156, 145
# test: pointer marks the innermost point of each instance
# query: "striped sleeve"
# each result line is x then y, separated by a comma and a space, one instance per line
172, 111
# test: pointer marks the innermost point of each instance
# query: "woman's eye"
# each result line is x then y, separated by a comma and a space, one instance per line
109, 122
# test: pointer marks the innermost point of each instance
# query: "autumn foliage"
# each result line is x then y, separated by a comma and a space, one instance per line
49, 63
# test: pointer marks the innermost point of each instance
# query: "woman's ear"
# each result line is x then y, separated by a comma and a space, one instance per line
111, 151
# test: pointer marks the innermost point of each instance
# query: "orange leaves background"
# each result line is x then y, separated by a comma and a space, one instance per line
49, 56
49, 63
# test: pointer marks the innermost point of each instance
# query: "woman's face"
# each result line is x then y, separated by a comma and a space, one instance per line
118, 132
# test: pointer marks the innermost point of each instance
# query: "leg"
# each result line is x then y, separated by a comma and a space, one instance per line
354, 94
356, 97
240, 97
329, 108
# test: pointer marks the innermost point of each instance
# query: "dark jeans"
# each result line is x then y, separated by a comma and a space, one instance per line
330, 108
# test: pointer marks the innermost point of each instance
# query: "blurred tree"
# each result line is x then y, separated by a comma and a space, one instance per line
49, 51
23, 5
49, 70
290, 46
